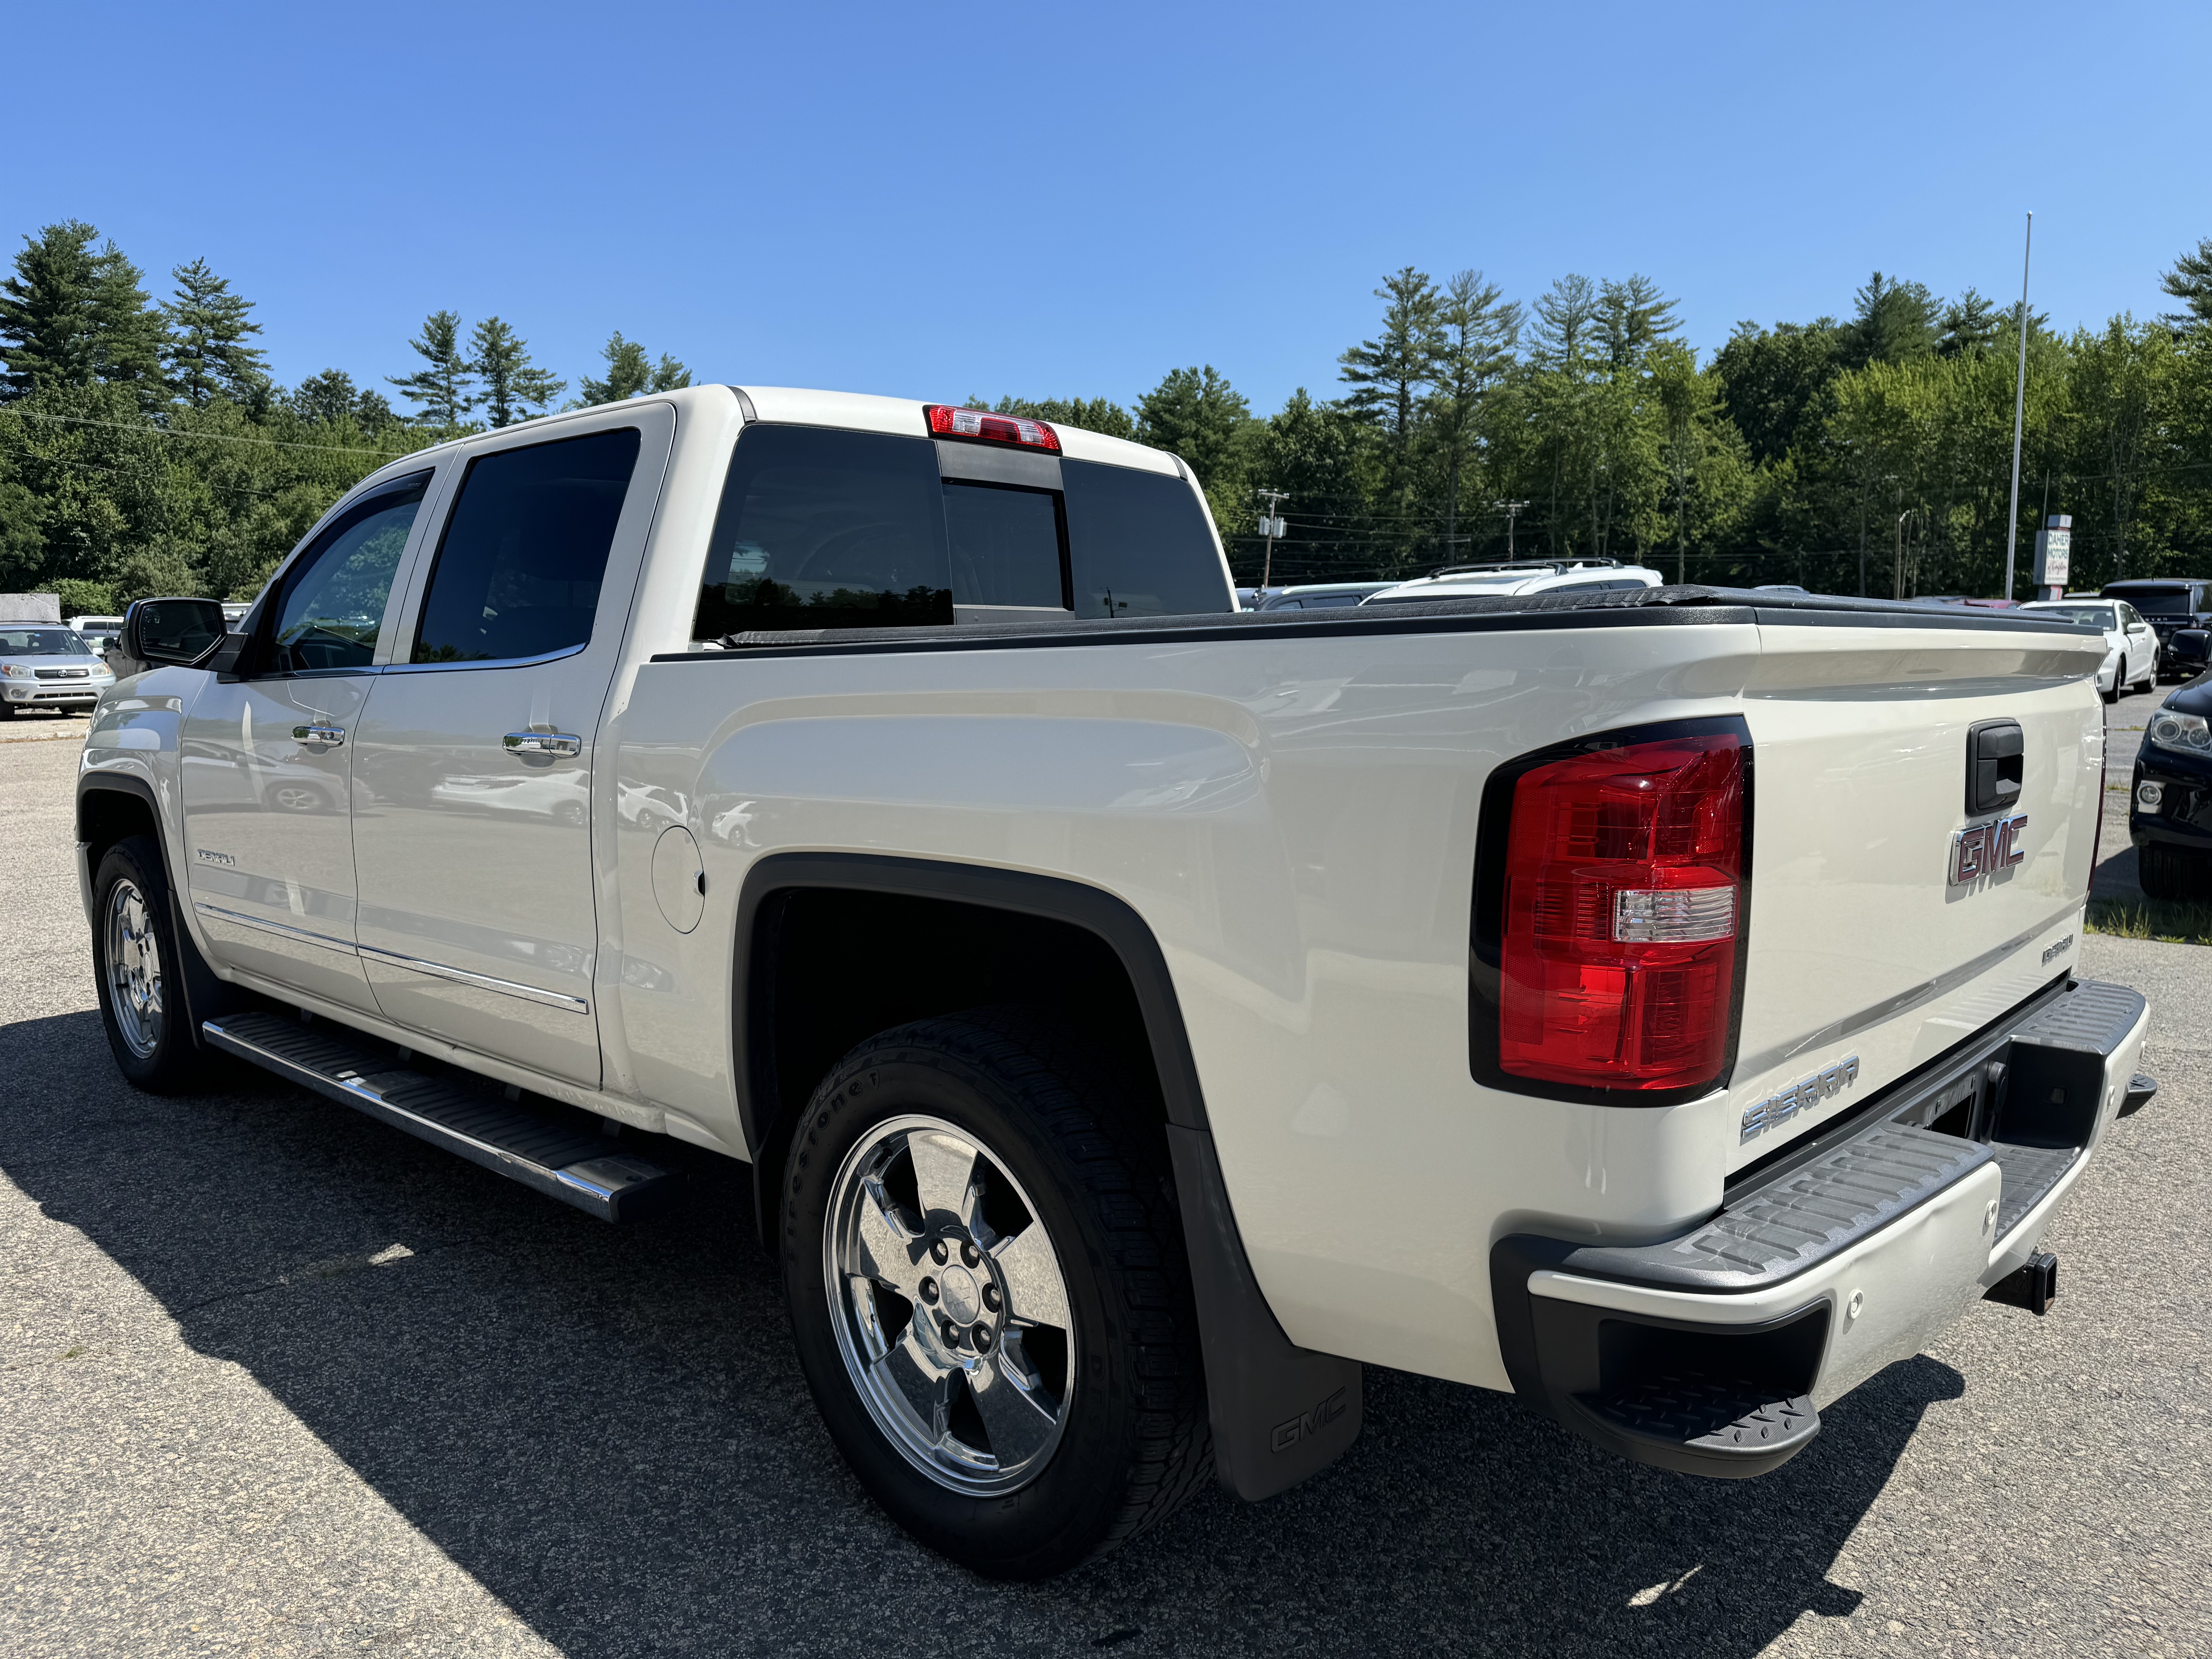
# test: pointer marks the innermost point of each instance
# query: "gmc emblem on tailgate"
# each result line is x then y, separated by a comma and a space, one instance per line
1983, 849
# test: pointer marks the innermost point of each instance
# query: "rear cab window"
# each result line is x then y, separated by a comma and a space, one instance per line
824, 528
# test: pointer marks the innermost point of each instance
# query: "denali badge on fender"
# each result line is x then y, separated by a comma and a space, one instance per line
1983, 849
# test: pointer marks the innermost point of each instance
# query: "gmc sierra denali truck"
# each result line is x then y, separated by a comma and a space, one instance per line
1137, 1015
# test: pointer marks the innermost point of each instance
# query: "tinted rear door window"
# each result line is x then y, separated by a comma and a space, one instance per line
518, 569
1139, 545
826, 529
1006, 545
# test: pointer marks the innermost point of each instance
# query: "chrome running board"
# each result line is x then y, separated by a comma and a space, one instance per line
537, 1148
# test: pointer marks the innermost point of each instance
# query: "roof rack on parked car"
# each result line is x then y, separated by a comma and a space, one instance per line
1577, 562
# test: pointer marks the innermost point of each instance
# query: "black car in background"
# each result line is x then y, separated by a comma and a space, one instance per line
2168, 603
2170, 800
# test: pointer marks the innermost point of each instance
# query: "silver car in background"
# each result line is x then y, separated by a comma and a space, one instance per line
45, 666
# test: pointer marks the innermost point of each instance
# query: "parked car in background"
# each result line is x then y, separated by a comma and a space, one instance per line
48, 668
2131, 648
2188, 651
1321, 596
1518, 577
2168, 603
98, 632
2170, 805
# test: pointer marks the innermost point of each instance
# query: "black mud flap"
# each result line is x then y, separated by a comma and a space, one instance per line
1279, 1413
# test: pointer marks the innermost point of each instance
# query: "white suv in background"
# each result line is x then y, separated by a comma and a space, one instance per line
1518, 578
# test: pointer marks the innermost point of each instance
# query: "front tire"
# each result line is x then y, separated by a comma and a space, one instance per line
990, 1295
2174, 873
138, 970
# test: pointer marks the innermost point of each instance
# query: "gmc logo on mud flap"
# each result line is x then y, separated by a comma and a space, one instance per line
1287, 1435
1983, 849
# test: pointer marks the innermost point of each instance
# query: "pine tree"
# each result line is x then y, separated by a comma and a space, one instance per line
628, 372
128, 331
444, 388
1633, 317
1386, 374
1196, 413
72, 316
668, 375
1896, 321
1476, 329
1969, 324
206, 347
2191, 283
513, 385
1566, 322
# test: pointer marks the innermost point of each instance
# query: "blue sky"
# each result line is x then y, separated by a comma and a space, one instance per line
937, 200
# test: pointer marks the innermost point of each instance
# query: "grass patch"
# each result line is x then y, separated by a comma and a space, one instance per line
2175, 924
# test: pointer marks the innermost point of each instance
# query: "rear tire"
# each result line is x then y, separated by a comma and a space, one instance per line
139, 971
1021, 1410
2174, 873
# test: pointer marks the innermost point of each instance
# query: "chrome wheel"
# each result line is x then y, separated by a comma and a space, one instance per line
949, 1304
133, 965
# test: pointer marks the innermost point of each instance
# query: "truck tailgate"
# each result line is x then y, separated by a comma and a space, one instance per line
1862, 944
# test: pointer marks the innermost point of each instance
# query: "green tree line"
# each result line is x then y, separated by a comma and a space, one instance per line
1867, 454
144, 447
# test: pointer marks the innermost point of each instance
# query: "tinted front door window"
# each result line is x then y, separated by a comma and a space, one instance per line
826, 529
332, 604
518, 574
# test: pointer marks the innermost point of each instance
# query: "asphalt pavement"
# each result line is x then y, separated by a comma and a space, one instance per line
276, 1380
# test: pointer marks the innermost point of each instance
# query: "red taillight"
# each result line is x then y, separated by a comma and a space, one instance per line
1623, 896
946, 421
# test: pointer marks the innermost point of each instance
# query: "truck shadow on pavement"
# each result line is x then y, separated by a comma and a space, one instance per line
607, 1427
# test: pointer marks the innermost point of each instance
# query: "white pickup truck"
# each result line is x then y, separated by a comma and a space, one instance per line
1658, 1003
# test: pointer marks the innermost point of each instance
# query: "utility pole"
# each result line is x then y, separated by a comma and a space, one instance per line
1899, 556
2019, 407
1271, 526
1512, 511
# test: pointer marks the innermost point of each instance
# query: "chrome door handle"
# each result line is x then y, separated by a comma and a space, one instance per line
330, 735
543, 743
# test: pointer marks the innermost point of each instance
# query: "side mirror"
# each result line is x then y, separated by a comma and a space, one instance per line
2189, 649
183, 633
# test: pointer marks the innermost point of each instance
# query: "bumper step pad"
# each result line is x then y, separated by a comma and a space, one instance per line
1718, 1416
537, 1148
2030, 1173
1813, 1212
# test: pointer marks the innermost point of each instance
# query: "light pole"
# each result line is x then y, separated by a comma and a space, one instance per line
2019, 407
1512, 511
